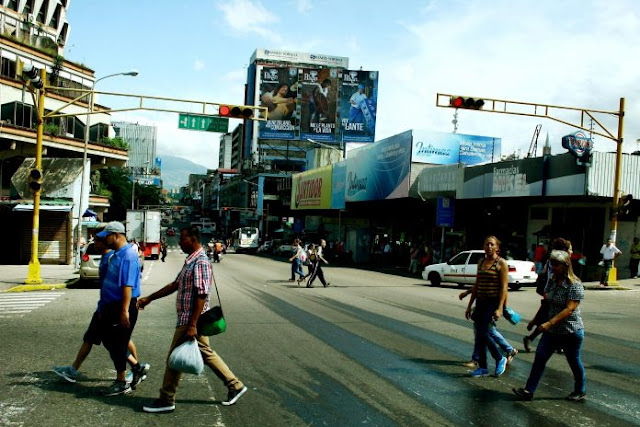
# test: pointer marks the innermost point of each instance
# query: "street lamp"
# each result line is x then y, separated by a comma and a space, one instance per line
83, 183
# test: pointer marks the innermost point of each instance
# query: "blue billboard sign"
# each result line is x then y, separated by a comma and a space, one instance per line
380, 170
442, 148
444, 212
338, 185
357, 105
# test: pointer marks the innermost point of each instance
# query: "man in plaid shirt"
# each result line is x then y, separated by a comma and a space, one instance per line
193, 285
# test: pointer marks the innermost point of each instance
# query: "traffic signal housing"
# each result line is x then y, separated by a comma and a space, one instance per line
32, 75
35, 179
466, 102
236, 111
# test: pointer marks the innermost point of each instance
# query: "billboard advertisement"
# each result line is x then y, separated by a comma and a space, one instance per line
442, 148
279, 93
299, 58
380, 171
338, 185
311, 189
357, 105
317, 103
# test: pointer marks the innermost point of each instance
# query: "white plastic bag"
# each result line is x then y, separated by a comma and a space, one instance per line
187, 358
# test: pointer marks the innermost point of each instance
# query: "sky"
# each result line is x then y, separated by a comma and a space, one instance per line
577, 53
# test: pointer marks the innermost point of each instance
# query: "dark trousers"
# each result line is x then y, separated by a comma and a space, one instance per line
316, 271
604, 279
633, 266
482, 317
114, 337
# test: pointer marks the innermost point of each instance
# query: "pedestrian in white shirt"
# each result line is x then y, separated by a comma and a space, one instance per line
609, 252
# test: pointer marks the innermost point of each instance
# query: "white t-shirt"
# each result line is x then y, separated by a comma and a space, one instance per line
608, 252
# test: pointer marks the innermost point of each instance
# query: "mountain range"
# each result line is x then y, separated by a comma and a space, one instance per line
176, 171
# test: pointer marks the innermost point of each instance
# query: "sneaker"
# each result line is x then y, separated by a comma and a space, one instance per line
577, 397
522, 393
69, 373
129, 377
234, 395
512, 355
501, 365
326, 285
479, 372
139, 374
309, 286
470, 364
159, 406
118, 387
527, 344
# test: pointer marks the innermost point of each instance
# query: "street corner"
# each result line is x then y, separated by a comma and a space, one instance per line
38, 287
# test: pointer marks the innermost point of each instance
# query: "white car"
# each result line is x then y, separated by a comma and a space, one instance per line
463, 267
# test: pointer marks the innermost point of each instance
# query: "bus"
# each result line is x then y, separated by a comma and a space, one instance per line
245, 239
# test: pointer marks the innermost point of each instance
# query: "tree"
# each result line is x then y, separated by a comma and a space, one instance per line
118, 182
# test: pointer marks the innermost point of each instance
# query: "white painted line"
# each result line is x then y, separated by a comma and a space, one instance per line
5, 306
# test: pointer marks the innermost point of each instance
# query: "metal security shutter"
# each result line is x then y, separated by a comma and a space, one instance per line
54, 241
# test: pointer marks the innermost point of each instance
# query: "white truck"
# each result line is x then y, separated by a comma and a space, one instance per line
144, 226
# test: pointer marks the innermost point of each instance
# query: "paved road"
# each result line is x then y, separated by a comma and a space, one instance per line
372, 349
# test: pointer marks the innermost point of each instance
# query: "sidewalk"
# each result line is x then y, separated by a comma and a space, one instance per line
12, 277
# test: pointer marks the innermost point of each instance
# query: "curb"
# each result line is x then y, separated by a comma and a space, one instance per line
39, 287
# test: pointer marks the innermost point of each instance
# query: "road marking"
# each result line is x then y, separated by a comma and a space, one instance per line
20, 304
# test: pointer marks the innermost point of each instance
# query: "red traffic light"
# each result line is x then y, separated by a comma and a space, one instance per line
466, 102
236, 111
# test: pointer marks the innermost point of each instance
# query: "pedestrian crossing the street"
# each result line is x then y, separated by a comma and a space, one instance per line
18, 304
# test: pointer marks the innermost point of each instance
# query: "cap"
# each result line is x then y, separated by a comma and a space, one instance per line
541, 244
112, 227
361, 86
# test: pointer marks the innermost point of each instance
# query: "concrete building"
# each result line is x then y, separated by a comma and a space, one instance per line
142, 141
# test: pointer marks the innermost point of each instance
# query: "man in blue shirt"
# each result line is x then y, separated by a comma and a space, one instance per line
118, 296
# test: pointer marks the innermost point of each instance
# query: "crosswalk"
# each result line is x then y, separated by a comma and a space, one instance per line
18, 304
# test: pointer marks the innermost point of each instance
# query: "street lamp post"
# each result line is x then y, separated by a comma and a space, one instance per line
83, 183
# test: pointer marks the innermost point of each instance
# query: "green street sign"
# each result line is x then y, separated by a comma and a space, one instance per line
203, 123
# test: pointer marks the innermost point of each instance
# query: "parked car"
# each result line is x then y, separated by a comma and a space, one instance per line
463, 267
90, 263
265, 247
284, 249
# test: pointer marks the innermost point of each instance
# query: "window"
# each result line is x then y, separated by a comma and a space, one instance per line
13, 5
99, 131
459, 259
18, 114
28, 7
55, 19
8, 68
43, 12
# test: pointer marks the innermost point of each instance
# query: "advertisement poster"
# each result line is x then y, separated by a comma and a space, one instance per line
312, 189
279, 93
380, 171
338, 185
317, 105
357, 105
443, 148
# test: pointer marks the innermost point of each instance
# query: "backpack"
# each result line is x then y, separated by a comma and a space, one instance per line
303, 255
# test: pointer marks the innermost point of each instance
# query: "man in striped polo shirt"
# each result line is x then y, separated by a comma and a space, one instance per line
193, 285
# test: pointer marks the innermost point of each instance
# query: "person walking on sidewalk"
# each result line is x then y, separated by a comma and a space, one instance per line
193, 286
93, 336
315, 258
635, 258
564, 329
609, 253
490, 293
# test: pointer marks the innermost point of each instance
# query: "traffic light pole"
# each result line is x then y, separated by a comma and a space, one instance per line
544, 111
33, 275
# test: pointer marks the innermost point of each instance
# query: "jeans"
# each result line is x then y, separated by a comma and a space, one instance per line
209, 357
296, 268
496, 339
572, 344
482, 318
604, 279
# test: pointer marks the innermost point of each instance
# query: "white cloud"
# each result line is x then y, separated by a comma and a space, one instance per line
198, 65
303, 6
250, 17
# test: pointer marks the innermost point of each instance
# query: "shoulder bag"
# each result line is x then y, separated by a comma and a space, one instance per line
212, 322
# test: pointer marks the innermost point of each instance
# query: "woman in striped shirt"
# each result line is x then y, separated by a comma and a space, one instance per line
490, 294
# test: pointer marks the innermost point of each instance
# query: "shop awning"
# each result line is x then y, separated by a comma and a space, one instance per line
53, 208
89, 212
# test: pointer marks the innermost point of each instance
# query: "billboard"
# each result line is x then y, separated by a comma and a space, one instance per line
317, 103
380, 170
279, 93
311, 189
299, 58
338, 185
448, 148
357, 105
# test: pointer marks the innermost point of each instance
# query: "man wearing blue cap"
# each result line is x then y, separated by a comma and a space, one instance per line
118, 297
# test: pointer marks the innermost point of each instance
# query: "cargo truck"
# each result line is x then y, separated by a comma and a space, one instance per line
144, 226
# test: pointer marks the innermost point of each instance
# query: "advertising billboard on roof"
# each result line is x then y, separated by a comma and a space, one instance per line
299, 58
357, 105
279, 93
317, 103
443, 148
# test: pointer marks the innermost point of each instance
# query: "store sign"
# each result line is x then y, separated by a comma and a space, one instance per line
312, 189
509, 180
578, 144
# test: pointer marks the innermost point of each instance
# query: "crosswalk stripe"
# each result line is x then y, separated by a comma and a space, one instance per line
18, 304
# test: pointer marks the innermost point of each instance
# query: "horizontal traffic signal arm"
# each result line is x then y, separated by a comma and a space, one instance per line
162, 104
518, 108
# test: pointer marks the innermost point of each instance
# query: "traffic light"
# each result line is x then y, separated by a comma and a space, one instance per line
236, 111
466, 102
32, 74
35, 179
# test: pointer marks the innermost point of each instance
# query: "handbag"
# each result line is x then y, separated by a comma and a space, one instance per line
212, 321
511, 315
